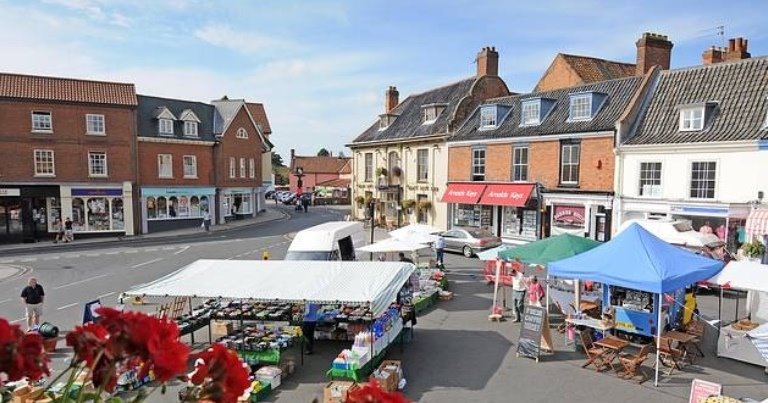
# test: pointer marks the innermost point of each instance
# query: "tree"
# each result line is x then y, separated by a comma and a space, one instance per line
277, 160
323, 153
341, 154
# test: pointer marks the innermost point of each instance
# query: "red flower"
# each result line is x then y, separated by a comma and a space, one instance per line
87, 341
35, 359
221, 376
168, 354
372, 393
21, 355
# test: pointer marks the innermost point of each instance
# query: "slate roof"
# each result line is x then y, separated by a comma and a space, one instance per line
260, 116
619, 93
316, 165
147, 125
409, 123
66, 90
738, 89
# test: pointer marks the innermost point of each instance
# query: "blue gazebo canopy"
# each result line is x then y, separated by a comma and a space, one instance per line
639, 260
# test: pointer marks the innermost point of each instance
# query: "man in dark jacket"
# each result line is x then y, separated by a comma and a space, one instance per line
32, 296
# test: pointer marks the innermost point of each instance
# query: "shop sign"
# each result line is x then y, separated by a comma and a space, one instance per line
699, 210
180, 191
701, 390
10, 192
96, 192
569, 215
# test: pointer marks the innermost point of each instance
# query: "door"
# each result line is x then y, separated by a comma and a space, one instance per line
11, 228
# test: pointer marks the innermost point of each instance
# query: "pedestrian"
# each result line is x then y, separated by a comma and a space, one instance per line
207, 221
535, 292
402, 258
59, 231
518, 293
440, 250
706, 228
69, 236
33, 296
305, 200
308, 326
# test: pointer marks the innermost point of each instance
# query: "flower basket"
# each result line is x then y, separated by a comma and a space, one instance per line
396, 171
425, 205
753, 249
381, 171
408, 204
360, 200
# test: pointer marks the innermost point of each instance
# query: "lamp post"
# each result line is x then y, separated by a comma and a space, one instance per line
299, 181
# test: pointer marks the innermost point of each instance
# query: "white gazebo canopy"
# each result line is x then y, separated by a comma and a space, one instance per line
392, 245
743, 275
372, 283
416, 233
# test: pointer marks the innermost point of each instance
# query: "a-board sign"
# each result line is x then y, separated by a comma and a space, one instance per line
700, 390
89, 313
529, 343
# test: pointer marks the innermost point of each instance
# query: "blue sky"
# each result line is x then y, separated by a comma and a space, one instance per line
321, 67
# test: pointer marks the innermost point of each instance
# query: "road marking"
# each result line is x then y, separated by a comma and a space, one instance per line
52, 258
169, 247
18, 320
150, 250
5, 300
67, 306
92, 254
115, 252
146, 263
29, 259
80, 282
132, 251
181, 250
106, 295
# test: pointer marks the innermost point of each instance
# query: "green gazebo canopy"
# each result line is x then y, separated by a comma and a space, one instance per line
550, 249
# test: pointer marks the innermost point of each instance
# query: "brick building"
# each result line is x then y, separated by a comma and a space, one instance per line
550, 149
319, 172
67, 149
402, 158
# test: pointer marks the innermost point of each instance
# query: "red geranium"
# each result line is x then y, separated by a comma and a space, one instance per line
21, 355
220, 374
87, 341
373, 393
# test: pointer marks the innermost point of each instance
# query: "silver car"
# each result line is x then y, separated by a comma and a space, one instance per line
469, 241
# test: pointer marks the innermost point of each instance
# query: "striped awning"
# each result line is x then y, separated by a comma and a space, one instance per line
759, 337
757, 222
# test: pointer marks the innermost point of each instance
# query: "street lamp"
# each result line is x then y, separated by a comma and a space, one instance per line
299, 182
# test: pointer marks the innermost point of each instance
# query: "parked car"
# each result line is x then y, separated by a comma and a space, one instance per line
270, 194
469, 241
289, 199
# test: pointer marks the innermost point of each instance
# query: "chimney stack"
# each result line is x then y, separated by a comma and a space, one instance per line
391, 99
293, 155
487, 62
736, 50
653, 50
713, 55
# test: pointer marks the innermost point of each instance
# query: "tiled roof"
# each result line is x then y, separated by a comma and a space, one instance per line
66, 90
260, 116
347, 168
312, 165
619, 93
409, 122
147, 124
737, 91
336, 183
592, 69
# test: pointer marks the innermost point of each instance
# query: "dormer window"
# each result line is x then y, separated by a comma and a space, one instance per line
531, 113
191, 122
430, 112
190, 129
488, 117
165, 126
581, 107
691, 119
385, 120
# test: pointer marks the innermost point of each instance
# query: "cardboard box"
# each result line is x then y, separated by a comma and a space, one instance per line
388, 375
220, 328
19, 395
336, 391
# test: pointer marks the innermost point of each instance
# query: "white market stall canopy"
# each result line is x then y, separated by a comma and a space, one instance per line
743, 275
392, 245
416, 233
373, 283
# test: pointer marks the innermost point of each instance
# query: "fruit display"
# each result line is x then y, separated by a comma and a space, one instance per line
344, 313
261, 338
239, 310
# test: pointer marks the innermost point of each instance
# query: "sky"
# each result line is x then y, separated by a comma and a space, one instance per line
321, 67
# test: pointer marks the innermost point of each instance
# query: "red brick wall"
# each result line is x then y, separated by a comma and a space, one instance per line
459, 164
231, 146
68, 141
148, 164
544, 162
558, 75
594, 175
498, 163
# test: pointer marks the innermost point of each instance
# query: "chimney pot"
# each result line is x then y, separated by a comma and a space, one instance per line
653, 49
487, 62
391, 99
732, 45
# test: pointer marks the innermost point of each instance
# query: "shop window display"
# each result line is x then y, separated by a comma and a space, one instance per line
183, 210
472, 215
78, 214
98, 214
151, 208
162, 208
173, 206
118, 221
194, 206
203, 204
54, 214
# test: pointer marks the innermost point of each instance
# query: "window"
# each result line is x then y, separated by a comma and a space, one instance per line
97, 163
531, 112
430, 115
251, 168
241, 133
422, 165
242, 167
368, 167
393, 161
581, 107
478, 164
232, 167
569, 164
520, 164
385, 120
165, 165
41, 122
488, 117
691, 119
151, 207
703, 180
190, 166
190, 129
44, 163
650, 179
165, 126
94, 124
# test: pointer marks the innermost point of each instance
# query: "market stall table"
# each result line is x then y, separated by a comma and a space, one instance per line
685, 341
613, 345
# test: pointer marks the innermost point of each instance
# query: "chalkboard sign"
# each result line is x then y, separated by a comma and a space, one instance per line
529, 343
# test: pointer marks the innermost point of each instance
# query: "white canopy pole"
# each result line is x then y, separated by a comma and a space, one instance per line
577, 295
658, 339
496, 285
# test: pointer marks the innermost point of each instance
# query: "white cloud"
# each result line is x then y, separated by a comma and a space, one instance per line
249, 43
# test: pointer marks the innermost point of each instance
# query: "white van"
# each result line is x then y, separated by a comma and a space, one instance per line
335, 240
676, 232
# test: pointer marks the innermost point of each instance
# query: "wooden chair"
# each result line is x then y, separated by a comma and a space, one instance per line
595, 355
632, 364
696, 328
669, 356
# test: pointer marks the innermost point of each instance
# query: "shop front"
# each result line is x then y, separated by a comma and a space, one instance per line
587, 215
168, 208
26, 213
95, 210
389, 208
237, 203
463, 207
515, 209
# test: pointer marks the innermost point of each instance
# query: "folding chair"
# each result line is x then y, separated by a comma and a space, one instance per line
595, 355
669, 356
696, 328
632, 364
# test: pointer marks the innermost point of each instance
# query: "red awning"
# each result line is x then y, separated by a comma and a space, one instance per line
507, 195
463, 193
757, 222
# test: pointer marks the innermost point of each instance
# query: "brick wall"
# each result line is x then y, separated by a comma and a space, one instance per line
231, 146
68, 141
498, 163
459, 164
148, 164
593, 177
558, 75
544, 162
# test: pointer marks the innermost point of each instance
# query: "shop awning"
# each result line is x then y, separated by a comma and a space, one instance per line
375, 284
757, 222
463, 193
507, 195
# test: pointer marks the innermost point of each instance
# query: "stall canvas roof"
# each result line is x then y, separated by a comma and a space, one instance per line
550, 249
372, 283
639, 260
744, 275
393, 245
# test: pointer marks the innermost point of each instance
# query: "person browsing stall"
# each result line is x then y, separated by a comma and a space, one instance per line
535, 292
519, 286
308, 326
